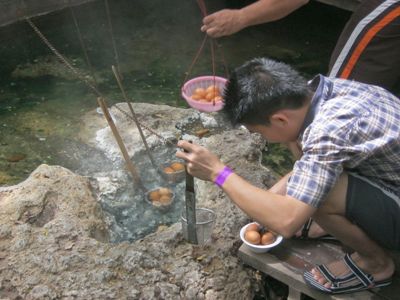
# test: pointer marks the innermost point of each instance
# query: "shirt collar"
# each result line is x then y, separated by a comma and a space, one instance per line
322, 88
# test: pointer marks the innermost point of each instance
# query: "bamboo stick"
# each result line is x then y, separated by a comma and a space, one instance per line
129, 164
134, 117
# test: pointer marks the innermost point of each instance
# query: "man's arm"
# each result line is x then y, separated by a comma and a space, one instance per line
229, 21
280, 186
278, 212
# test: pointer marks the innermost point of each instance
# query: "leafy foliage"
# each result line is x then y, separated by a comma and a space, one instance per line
278, 158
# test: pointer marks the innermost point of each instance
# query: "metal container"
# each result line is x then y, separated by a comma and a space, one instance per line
205, 219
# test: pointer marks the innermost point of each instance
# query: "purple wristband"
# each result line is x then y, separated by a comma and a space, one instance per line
222, 176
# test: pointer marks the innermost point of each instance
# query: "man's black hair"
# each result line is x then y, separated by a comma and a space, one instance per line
259, 88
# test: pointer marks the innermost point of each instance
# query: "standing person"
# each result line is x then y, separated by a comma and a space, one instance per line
347, 179
368, 47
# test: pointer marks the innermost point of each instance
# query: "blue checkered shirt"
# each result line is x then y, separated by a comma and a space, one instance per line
350, 127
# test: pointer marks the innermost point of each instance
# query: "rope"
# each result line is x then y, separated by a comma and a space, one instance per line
195, 58
202, 6
213, 43
110, 26
83, 46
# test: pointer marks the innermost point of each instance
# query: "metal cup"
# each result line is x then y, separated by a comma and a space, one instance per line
205, 219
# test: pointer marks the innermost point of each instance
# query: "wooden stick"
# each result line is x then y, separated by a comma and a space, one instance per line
121, 87
121, 144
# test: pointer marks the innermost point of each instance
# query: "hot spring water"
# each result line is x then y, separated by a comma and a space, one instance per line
42, 105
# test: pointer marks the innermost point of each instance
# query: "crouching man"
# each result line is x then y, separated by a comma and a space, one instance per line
347, 178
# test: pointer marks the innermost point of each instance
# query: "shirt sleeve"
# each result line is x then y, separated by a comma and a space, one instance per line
318, 170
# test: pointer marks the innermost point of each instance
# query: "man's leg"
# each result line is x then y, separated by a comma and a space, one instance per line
314, 231
369, 255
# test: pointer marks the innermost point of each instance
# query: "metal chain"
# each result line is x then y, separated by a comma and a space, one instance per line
83, 78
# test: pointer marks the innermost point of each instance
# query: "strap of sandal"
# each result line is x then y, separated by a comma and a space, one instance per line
366, 279
306, 228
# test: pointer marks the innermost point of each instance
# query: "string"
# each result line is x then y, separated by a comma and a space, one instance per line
195, 58
83, 46
110, 26
203, 10
202, 6
219, 47
213, 44
213, 67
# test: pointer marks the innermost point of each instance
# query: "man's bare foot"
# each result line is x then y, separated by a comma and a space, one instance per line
380, 268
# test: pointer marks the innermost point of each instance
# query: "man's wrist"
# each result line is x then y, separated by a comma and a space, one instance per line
222, 176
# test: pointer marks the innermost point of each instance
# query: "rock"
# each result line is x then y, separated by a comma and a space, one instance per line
54, 234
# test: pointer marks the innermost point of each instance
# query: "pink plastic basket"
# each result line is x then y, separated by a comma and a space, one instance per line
203, 82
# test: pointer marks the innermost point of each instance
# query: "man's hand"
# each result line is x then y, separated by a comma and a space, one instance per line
222, 23
200, 162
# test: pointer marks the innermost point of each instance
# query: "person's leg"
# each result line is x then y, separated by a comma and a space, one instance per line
369, 256
368, 47
311, 229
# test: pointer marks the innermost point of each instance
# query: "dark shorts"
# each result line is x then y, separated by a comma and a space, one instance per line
369, 46
375, 210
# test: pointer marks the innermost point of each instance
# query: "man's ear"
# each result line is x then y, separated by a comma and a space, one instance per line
279, 119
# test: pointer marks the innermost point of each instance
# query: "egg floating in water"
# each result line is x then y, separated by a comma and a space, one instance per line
257, 235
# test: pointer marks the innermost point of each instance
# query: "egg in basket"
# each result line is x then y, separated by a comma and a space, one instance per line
204, 93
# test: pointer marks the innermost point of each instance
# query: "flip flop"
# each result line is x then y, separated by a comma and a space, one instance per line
306, 228
356, 280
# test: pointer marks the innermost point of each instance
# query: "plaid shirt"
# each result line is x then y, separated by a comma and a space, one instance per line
350, 127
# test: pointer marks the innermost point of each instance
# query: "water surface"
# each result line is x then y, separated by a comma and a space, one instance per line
41, 103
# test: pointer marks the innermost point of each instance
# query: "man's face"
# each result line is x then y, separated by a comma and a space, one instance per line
273, 133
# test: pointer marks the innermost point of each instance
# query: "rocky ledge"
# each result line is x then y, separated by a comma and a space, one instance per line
54, 240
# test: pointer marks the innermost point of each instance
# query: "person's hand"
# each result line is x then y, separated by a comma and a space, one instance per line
222, 23
200, 162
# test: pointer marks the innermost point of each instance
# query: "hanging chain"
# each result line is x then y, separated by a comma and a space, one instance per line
83, 78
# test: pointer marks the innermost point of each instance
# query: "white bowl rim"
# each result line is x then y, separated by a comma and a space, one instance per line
278, 239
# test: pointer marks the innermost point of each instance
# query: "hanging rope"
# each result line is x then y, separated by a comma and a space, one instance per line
213, 44
203, 8
83, 46
110, 26
195, 58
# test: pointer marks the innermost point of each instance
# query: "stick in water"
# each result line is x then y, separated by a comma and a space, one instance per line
121, 144
117, 77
